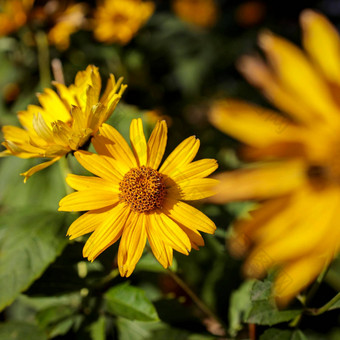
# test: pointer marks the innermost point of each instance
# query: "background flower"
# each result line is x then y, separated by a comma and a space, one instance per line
63, 122
295, 229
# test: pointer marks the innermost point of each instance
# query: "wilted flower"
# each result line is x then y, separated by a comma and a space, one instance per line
297, 177
117, 21
135, 200
64, 121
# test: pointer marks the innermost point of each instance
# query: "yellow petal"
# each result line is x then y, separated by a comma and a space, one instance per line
322, 42
88, 222
238, 119
98, 165
131, 244
299, 77
296, 276
54, 108
170, 232
195, 237
181, 156
15, 134
193, 189
138, 141
106, 233
120, 149
189, 216
156, 144
38, 167
163, 252
197, 169
90, 182
260, 75
262, 182
88, 200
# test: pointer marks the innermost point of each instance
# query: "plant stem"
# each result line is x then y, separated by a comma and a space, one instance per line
65, 170
324, 308
57, 69
43, 59
316, 285
199, 303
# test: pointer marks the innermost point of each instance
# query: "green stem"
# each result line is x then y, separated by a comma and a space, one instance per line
65, 170
316, 285
324, 308
199, 303
43, 59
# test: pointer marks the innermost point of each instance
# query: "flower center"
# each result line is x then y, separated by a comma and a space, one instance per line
143, 189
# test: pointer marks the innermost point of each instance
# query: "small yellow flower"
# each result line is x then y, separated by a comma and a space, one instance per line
135, 200
202, 13
297, 173
117, 21
13, 15
67, 22
63, 122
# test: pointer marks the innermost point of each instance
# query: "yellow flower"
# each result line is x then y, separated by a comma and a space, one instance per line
13, 15
117, 21
297, 173
68, 21
131, 198
63, 122
202, 13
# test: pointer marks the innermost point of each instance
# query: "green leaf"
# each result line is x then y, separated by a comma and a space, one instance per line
265, 313
239, 305
97, 329
279, 334
29, 242
263, 310
20, 330
149, 263
131, 303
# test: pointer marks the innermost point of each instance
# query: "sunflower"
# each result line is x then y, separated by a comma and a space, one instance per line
295, 172
202, 13
133, 199
64, 122
117, 21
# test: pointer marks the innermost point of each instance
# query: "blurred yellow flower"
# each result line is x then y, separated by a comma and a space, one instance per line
63, 122
131, 198
117, 21
67, 22
297, 175
202, 13
13, 15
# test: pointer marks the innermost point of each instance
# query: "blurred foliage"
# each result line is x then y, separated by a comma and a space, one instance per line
47, 290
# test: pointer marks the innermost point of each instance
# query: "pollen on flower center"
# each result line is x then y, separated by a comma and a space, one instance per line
143, 189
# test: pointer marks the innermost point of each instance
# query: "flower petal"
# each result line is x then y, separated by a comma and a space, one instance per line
181, 156
90, 183
138, 141
120, 149
197, 169
107, 233
189, 216
88, 200
299, 77
262, 182
163, 252
321, 39
88, 222
156, 144
238, 119
132, 244
170, 232
98, 165
38, 167
193, 189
